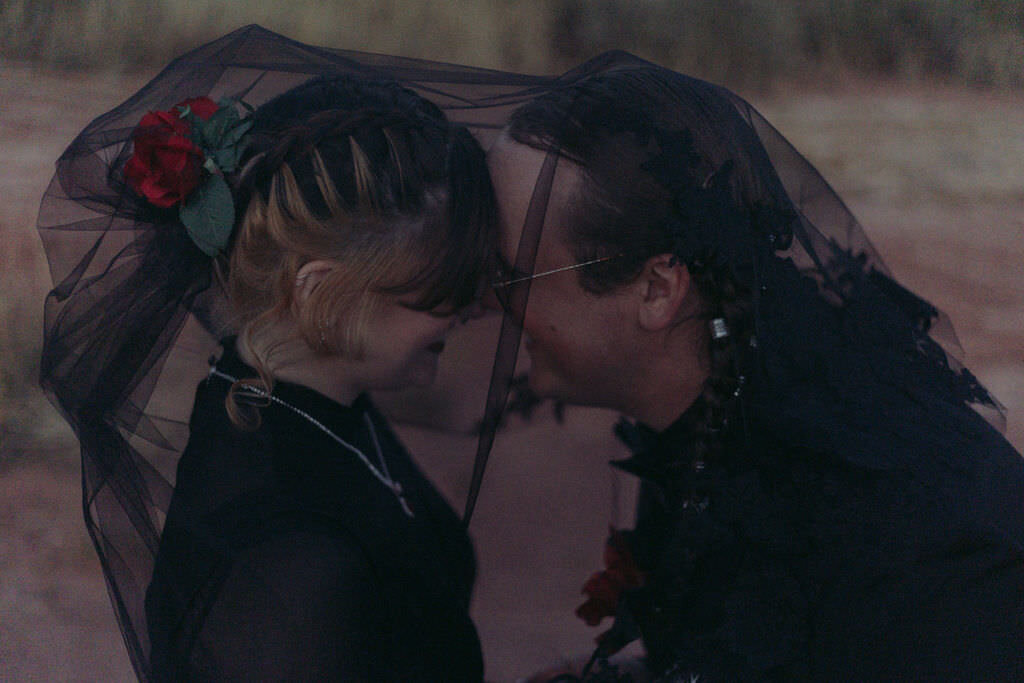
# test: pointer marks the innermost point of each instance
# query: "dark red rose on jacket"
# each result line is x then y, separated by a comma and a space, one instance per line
604, 588
166, 165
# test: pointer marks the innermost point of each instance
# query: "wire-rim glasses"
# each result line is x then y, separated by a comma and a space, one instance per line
508, 276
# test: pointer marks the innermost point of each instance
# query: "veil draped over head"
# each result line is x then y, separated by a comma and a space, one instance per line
137, 309
842, 357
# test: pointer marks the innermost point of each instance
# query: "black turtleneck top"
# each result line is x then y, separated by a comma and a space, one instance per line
284, 558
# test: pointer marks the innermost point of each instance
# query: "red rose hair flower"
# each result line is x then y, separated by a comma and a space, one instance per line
180, 157
166, 165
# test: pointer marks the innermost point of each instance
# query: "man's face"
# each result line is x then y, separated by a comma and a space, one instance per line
576, 340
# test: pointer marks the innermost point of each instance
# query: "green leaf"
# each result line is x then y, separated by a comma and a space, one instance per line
226, 158
209, 215
234, 135
221, 137
213, 129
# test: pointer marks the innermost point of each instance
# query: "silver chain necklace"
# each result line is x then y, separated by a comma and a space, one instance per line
383, 476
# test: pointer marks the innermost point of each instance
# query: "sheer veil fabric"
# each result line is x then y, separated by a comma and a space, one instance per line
838, 501
136, 310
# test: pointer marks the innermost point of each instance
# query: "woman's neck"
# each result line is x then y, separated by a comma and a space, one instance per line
291, 360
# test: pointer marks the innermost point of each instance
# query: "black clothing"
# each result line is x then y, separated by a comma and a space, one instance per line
868, 490
837, 505
137, 304
284, 558
774, 562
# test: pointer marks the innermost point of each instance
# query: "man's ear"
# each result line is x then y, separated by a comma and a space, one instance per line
309, 277
662, 287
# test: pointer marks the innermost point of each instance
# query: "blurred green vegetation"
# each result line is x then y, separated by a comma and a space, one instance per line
749, 42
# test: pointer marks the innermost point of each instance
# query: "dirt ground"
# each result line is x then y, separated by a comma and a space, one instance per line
936, 176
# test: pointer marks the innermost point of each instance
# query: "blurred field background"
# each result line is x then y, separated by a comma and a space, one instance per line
752, 42
914, 110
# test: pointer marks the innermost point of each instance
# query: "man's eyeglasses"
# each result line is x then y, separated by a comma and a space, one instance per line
508, 276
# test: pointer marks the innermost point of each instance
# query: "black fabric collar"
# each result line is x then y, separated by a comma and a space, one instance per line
656, 455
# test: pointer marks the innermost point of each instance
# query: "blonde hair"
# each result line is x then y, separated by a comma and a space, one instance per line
278, 236
386, 189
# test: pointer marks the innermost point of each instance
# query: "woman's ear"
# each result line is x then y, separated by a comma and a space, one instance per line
662, 287
309, 277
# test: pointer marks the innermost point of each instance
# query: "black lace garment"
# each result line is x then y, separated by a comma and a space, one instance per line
783, 563
284, 558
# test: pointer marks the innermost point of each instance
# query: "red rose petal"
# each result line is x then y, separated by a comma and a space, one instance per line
203, 107
591, 613
157, 195
604, 589
166, 166
165, 123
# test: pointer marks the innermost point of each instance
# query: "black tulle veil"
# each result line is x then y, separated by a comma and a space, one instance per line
137, 310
